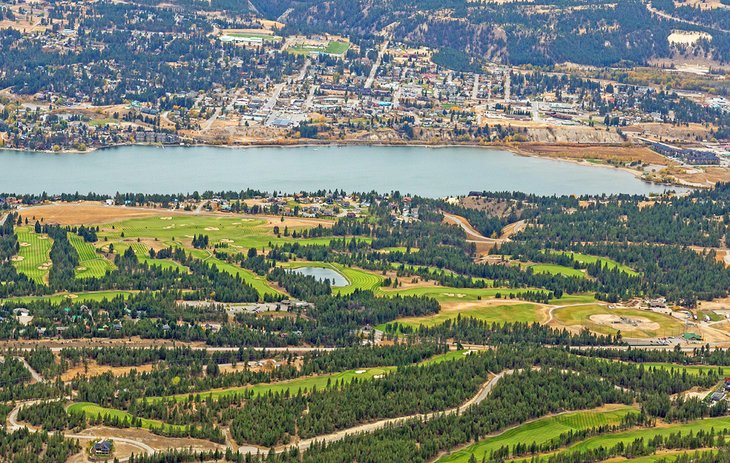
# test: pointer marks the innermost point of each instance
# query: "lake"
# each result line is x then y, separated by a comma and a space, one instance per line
321, 274
433, 172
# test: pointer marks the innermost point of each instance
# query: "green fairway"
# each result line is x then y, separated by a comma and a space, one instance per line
690, 369
251, 35
91, 264
236, 233
631, 322
609, 440
304, 384
448, 294
95, 296
143, 255
259, 283
357, 278
523, 312
555, 269
33, 259
92, 410
590, 259
540, 431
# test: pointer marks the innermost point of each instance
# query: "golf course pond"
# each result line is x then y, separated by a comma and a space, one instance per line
425, 171
320, 273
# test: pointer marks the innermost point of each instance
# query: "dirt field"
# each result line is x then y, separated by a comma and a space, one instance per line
94, 369
605, 153
625, 323
88, 213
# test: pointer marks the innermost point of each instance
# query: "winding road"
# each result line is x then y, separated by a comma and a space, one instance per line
12, 424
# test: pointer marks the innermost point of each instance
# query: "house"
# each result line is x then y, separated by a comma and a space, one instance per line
103, 447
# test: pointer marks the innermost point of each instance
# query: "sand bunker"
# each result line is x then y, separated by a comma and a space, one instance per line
80, 269
169, 227
226, 240
211, 229
45, 266
454, 295
625, 322
24, 245
359, 372
42, 237
17, 258
166, 218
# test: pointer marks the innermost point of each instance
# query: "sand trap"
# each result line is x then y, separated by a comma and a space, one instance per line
359, 372
169, 227
24, 245
44, 267
378, 376
42, 237
166, 218
226, 240
80, 269
17, 258
454, 295
211, 229
72, 296
625, 322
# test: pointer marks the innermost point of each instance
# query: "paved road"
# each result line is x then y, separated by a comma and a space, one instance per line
666, 15
374, 70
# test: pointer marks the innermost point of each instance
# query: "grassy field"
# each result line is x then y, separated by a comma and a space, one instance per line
653, 324
332, 48
590, 259
91, 264
319, 381
237, 233
540, 431
251, 35
92, 410
609, 440
357, 278
489, 313
95, 296
259, 283
555, 269
691, 369
34, 254
294, 385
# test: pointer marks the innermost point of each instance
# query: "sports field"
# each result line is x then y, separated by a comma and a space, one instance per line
541, 431
91, 264
33, 258
488, 311
631, 322
332, 48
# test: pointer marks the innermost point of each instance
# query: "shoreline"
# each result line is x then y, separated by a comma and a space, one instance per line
517, 149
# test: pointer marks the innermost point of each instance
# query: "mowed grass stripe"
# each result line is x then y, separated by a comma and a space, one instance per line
541, 431
91, 264
92, 410
35, 259
627, 437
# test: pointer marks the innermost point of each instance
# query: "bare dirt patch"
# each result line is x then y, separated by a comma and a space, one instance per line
94, 369
625, 323
88, 213
601, 152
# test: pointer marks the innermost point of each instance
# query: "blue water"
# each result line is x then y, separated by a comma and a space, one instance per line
425, 171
